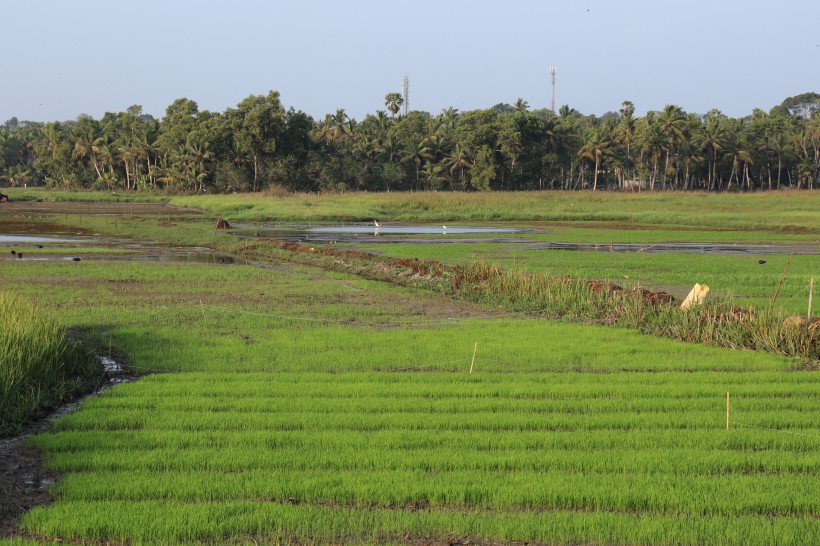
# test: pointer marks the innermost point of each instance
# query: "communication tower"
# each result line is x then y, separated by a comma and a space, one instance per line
552, 80
406, 93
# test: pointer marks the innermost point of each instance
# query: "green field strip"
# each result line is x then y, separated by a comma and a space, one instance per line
152, 522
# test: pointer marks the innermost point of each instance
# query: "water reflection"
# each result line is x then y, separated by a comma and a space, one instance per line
371, 233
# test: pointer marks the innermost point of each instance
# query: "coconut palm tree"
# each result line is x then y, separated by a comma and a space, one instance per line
417, 155
713, 138
87, 143
651, 143
458, 162
739, 152
673, 128
596, 146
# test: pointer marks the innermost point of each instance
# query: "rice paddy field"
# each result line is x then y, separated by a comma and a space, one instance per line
284, 404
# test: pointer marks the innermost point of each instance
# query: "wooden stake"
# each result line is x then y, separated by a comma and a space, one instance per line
727, 410
811, 292
475, 348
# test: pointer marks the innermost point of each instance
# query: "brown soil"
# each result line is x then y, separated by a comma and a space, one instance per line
23, 482
61, 207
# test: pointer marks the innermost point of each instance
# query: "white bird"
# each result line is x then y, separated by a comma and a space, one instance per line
444, 227
376, 223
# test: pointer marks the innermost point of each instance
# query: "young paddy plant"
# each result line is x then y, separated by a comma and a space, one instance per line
523, 450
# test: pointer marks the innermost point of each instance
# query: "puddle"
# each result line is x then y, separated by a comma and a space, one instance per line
696, 248
427, 234
413, 230
26, 239
24, 483
369, 233
193, 258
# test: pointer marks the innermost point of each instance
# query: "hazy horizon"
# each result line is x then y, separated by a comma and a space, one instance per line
91, 57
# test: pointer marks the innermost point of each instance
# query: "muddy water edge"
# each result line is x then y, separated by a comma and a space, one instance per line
24, 484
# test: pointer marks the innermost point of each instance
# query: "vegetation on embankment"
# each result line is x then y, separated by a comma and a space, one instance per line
717, 322
39, 366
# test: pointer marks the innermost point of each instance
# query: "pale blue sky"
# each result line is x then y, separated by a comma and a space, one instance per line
59, 59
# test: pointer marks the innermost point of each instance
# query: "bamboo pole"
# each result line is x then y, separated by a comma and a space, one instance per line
727, 410
475, 348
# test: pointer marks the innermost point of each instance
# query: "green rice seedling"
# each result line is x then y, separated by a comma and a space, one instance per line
512, 447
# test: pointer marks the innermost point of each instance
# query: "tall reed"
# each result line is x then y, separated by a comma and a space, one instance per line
39, 366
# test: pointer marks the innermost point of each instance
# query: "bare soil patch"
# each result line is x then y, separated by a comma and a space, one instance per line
80, 207
23, 482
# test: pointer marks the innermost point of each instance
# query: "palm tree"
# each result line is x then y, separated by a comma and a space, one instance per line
458, 162
334, 128
382, 122
393, 102
87, 143
738, 150
449, 118
779, 145
596, 146
673, 129
417, 155
521, 105
432, 174
626, 130
200, 156
651, 143
713, 139
16, 175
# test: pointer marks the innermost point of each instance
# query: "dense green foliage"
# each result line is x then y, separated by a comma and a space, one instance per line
259, 144
39, 366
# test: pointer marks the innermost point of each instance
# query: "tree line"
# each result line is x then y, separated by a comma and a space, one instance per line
259, 144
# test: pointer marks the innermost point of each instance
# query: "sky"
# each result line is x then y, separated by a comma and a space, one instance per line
60, 59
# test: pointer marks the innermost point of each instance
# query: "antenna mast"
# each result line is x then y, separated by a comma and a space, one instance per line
552, 79
406, 93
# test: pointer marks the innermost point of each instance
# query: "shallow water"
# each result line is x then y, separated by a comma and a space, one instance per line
391, 234
367, 233
697, 248
192, 258
38, 238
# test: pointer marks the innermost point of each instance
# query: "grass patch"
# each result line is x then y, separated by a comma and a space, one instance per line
39, 366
